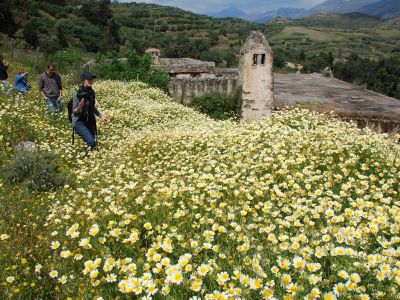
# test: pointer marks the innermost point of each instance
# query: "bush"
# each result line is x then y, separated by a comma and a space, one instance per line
53, 9
380, 76
218, 106
279, 62
318, 62
89, 35
222, 58
49, 44
36, 171
135, 67
67, 58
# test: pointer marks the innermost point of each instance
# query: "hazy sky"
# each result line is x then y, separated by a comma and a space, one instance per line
202, 6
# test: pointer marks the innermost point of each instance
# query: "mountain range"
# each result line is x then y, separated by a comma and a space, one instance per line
378, 8
341, 6
386, 9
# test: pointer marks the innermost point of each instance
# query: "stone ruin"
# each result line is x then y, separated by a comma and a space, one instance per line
261, 90
192, 77
256, 78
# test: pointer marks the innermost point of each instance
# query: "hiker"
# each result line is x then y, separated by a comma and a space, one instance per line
4, 76
84, 111
50, 88
21, 82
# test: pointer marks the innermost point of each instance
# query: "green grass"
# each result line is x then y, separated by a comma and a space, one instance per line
299, 33
348, 21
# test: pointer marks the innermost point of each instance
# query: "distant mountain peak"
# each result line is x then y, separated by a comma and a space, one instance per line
376, 8
384, 9
341, 6
232, 12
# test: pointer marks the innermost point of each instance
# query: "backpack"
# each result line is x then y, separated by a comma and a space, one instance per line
69, 109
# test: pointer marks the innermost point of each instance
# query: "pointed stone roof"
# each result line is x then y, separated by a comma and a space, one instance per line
255, 40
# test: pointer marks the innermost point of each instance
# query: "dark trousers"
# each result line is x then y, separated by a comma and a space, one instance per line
86, 132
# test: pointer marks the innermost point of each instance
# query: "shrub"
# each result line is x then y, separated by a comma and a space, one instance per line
53, 9
135, 67
222, 58
36, 171
217, 106
67, 58
380, 76
49, 44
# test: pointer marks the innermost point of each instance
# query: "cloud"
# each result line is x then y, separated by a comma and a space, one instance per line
218, 5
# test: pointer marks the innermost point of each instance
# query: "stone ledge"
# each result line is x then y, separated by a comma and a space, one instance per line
186, 65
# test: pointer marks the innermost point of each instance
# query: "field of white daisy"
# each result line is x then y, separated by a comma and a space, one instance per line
174, 205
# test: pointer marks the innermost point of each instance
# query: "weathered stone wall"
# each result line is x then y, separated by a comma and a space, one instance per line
183, 89
185, 65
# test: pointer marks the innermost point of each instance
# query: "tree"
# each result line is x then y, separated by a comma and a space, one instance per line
384, 82
87, 10
318, 62
182, 47
302, 55
137, 45
222, 58
139, 13
96, 12
7, 21
92, 37
214, 38
29, 33
382, 76
135, 67
163, 27
57, 2
202, 45
279, 60
330, 59
103, 12
32, 9
231, 59
62, 40
49, 44
114, 32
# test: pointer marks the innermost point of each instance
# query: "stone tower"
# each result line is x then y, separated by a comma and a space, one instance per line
256, 77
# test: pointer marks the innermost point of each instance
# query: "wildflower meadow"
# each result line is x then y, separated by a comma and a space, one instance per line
175, 205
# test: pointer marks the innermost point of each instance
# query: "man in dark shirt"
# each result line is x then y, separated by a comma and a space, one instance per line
4, 76
50, 88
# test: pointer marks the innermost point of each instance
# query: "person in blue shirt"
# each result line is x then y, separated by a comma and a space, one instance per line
21, 82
